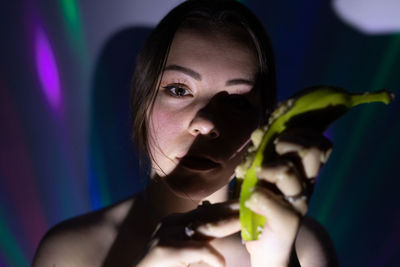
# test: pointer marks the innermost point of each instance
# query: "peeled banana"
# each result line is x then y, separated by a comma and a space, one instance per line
314, 107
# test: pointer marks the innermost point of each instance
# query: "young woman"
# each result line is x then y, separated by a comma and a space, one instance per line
203, 82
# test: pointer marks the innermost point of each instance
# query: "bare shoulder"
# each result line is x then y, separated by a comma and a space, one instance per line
84, 240
314, 247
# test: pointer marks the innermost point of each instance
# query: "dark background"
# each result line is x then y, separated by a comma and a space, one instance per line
65, 128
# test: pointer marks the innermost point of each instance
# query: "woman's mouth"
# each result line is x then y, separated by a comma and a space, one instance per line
198, 163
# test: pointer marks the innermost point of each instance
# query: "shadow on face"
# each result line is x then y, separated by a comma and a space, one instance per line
206, 107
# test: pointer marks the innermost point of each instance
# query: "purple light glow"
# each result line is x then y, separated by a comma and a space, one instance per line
47, 69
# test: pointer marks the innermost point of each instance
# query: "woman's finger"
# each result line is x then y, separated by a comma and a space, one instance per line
183, 239
313, 149
216, 220
160, 255
312, 158
219, 229
306, 138
206, 222
286, 177
283, 174
204, 254
280, 215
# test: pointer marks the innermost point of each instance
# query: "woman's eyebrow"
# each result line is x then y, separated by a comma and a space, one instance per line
197, 75
239, 81
185, 70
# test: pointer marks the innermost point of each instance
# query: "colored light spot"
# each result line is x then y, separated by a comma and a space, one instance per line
47, 69
74, 28
71, 13
370, 16
12, 253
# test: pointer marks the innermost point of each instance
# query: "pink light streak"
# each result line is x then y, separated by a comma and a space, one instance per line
47, 69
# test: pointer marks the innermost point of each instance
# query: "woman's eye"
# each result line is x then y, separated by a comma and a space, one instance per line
177, 91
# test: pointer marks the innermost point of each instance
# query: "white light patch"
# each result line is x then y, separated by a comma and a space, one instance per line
370, 16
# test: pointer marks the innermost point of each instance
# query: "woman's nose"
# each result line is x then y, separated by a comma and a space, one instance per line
204, 126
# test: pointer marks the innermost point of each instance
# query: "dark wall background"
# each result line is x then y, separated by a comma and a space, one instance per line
65, 127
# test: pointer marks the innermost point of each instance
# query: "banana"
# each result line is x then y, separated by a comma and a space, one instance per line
315, 107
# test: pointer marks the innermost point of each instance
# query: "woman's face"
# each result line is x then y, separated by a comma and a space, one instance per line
205, 111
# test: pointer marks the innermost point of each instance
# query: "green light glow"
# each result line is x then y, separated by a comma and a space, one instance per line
372, 177
71, 14
10, 248
366, 118
70, 11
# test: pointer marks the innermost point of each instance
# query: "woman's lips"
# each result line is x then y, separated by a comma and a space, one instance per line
198, 163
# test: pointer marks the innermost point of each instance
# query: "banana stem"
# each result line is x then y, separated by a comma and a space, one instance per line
380, 96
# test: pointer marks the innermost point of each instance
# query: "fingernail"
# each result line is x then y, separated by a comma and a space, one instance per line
189, 231
325, 156
154, 243
156, 230
303, 152
234, 206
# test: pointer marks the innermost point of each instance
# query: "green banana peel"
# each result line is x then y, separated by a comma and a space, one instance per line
315, 107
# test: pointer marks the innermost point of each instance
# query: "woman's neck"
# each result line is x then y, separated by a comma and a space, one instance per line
163, 201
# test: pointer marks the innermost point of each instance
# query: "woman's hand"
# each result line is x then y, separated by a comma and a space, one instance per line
183, 239
282, 196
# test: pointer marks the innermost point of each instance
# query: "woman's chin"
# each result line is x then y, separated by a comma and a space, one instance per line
195, 187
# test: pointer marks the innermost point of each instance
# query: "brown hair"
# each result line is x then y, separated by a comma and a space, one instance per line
193, 13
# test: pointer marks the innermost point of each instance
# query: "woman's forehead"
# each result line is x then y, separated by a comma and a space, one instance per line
232, 32
213, 49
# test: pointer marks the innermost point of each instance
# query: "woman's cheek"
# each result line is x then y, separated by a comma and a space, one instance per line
167, 119
166, 127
